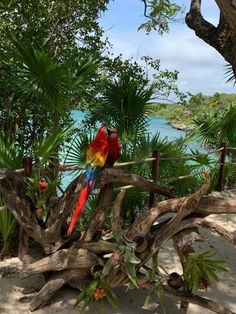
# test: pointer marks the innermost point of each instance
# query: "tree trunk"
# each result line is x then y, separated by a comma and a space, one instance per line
221, 37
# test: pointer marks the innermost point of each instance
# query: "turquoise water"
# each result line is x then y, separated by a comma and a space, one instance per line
156, 125
159, 125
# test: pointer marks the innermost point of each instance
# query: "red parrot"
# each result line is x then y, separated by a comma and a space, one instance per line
96, 155
114, 147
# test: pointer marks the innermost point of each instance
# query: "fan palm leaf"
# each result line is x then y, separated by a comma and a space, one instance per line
215, 128
229, 73
9, 154
34, 75
48, 148
124, 105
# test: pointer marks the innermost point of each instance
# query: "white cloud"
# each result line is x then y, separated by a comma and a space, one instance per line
201, 67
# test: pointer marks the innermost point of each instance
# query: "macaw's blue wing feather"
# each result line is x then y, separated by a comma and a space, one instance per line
91, 175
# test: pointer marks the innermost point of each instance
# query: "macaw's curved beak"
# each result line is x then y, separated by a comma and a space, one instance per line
112, 130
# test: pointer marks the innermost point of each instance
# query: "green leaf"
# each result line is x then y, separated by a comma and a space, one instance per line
147, 300
131, 258
103, 308
92, 286
131, 273
160, 296
112, 297
87, 292
81, 296
107, 267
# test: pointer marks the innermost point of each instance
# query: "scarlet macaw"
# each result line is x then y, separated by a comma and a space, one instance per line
114, 147
96, 155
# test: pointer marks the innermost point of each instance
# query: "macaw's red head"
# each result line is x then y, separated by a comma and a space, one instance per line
114, 146
112, 132
102, 133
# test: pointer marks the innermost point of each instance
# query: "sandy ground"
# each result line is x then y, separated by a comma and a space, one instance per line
16, 291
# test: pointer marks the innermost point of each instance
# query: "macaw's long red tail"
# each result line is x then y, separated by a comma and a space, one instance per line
78, 209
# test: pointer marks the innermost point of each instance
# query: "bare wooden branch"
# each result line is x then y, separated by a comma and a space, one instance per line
116, 214
64, 259
114, 175
189, 205
54, 284
222, 37
205, 223
195, 299
214, 203
103, 203
177, 239
99, 247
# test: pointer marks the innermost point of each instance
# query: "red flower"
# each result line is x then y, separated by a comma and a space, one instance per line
204, 283
99, 293
115, 257
43, 185
141, 281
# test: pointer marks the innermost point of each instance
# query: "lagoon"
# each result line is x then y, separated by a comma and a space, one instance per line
156, 125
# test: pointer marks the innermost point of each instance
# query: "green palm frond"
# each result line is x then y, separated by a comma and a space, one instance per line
76, 153
229, 74
213, 129
124, 105
207, 129
82, 69
201, 161
227, 125
48, 148
201, 266
9, 155
34, 74
7, 224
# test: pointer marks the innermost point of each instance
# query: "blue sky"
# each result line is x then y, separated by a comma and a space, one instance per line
201, 68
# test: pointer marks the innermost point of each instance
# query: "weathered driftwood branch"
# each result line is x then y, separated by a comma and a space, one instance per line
116, 223
67, 265
205, 223
177, 240
54, 284
108, 175
103, 203
14, 194
195, 299
100, 247
114, 175
214, 203
14, 191
189, 205
64, 259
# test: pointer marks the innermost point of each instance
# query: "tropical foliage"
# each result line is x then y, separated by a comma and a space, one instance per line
10, 159
7, 226
213, 129
200, 270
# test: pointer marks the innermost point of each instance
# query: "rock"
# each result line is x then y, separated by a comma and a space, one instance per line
181, 126
10, 266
